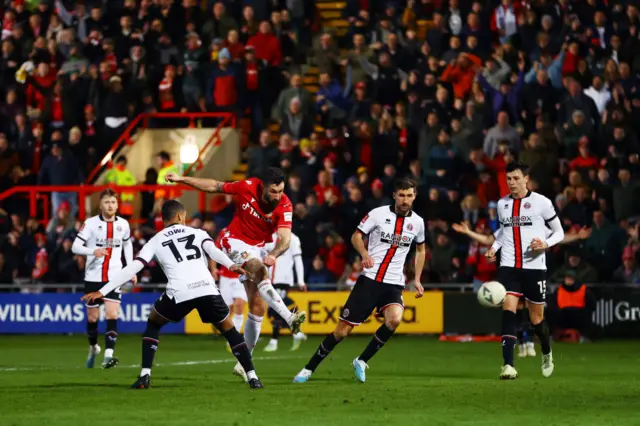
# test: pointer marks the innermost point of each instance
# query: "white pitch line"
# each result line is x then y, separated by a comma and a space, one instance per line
162, 364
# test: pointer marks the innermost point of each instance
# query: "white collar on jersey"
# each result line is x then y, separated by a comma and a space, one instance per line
528, 193
393, 210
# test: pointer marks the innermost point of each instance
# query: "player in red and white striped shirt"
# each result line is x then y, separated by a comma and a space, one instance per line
104, 239
522, 237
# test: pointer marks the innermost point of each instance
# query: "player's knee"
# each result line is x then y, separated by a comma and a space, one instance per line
111, 312
256, 307
536, 317
256, 269
93, 314
342, 330
393, 322
238, 306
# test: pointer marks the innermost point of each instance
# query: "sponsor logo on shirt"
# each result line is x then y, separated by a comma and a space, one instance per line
108, 242
396, 239
254, 213
517, 221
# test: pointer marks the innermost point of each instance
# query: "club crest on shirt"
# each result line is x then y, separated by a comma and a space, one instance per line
119, 228
527, 206
409, 227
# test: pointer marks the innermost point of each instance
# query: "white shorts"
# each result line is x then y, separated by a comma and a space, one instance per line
240, 252
231, 289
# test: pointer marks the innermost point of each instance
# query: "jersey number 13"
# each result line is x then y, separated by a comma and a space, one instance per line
188, 240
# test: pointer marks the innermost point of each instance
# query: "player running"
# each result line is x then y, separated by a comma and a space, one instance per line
179, 251
391, 230
232, 290
261, 209
103, 239
282, 276
524, 331
522, 238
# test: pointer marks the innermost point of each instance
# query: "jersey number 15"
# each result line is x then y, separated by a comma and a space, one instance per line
188, 240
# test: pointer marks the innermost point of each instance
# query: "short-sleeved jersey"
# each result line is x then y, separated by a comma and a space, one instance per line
178, 250
282, 271
250, 223
390, 239
224, 272
96, 232
522, 220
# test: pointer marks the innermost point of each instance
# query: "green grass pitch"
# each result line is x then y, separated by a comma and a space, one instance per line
412, 381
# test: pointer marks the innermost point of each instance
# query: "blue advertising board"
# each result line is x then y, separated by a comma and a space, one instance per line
62, 313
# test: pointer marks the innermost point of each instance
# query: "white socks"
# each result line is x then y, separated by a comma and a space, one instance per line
238, 319
108, 353
252, 330
252, 375
274, 300
145, 371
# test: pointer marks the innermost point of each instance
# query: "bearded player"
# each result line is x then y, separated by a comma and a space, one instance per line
261, 209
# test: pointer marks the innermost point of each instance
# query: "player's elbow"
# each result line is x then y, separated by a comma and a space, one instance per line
356, 237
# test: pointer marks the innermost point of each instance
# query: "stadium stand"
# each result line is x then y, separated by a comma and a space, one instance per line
344, 96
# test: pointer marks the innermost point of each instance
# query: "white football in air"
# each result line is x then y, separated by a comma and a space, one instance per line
492, 294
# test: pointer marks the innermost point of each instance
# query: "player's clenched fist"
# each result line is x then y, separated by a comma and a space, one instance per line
173, 177
269, 260
100, 252
368, 262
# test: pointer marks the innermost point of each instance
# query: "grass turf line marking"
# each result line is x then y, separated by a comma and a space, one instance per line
162, 364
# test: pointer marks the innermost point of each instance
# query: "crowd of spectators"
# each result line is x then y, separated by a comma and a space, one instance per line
554, 84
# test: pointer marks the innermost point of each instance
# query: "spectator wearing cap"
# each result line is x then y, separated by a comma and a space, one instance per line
219, 24
378, 197
570, 308
295, 123
170, 92
61, 224
628, 272
225, 85
194, 60
61, 168
581, 270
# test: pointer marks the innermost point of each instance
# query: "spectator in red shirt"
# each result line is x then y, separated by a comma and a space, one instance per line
585, 160
38, 87
266, 45
334, 255
236, 49
325, 189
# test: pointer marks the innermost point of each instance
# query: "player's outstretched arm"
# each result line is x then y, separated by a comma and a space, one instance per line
121, 277
205, 185
463, 228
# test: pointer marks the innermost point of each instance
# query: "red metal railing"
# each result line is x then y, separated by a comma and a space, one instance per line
227, 120
35, 193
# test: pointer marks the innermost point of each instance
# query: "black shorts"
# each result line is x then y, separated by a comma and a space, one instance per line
212, 309
90, 287
530, 283
368, 295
